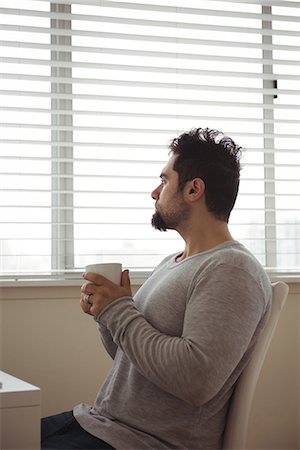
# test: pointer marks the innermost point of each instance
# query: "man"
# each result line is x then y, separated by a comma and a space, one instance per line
180, 345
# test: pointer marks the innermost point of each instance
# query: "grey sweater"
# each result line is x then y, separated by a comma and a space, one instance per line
178, 349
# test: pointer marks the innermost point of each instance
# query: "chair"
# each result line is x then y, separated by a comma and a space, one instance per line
238, 416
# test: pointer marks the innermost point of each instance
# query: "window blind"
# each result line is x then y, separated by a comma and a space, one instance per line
93, 92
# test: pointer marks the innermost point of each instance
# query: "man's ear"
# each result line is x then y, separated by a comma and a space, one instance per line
195, 189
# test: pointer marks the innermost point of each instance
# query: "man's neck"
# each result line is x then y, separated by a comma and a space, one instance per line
200, 240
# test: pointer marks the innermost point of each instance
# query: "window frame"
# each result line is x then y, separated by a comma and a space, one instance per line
62, 224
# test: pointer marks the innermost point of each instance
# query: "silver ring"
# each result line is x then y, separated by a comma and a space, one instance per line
87, 299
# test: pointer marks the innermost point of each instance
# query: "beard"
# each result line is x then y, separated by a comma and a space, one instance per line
171, 218
158, 222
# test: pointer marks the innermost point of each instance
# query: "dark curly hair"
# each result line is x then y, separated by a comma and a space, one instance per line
215, 158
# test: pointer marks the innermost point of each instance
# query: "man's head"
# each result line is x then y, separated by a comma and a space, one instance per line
201, 155
213, 157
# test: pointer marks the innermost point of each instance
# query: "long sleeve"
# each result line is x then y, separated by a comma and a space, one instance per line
222, 314
182, 344
107, 340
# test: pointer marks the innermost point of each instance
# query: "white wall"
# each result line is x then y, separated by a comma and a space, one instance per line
48, 341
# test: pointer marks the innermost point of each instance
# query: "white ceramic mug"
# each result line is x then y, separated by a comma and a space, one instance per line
112, 271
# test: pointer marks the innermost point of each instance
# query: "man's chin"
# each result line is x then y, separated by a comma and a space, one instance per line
158, 223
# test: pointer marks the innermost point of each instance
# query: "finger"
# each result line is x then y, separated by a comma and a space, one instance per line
84, 305
125, 280
88, 288
88, 299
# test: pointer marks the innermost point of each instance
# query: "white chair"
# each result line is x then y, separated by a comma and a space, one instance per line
238, 416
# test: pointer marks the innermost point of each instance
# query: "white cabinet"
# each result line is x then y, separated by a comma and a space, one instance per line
20, 414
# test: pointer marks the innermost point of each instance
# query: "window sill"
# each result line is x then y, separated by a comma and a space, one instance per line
70, 279
137, 279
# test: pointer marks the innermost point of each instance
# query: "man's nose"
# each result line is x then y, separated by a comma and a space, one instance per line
155, 193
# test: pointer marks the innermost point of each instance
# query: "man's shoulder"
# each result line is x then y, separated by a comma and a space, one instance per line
236, 263
233, 253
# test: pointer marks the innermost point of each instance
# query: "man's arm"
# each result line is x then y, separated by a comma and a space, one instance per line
107, 340
221, 317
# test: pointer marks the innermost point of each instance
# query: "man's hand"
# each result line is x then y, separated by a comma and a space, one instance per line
99, 292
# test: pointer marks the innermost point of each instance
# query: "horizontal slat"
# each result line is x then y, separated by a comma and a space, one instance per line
163, 85
146, 223
82, 144
149, 131
74, 112
133, 208
138, 193
150, 99
192, 11
134, 68
121, 145
106, 158
151, 235
150, 242
144, 68
204, 42
145, 37
149, 22
284, 3
107, 145
153, 177
120, 254
132, 131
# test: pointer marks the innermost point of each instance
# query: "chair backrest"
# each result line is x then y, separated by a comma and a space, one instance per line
240, 407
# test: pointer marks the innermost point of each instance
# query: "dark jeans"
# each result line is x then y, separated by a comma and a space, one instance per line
62, 431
